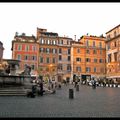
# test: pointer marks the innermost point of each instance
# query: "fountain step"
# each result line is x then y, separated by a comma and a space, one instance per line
14, 92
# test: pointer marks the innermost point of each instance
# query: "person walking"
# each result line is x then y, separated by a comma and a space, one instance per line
41, 87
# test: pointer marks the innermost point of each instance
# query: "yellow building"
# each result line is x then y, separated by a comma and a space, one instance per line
113, 53
89, 56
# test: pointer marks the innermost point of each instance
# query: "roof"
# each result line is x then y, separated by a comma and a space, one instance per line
25, 37
50, 33
92, 36
77, 42
113, 28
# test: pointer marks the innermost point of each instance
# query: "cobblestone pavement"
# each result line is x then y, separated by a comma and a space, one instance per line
87, 102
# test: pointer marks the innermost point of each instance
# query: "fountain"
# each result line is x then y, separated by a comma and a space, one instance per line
10, 78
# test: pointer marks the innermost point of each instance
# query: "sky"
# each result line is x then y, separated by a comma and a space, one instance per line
67, 19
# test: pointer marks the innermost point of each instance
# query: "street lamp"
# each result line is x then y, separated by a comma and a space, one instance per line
50, 71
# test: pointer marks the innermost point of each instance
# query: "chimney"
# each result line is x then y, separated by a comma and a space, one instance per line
75, 37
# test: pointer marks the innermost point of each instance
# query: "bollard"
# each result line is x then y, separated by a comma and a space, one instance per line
71, 92
77, 87
116, 85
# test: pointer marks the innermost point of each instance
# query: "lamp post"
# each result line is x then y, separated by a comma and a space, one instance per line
50, 71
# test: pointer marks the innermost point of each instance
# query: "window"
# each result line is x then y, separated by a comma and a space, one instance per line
60, 57
26, 57
54, 42
19, 47
61, 42
78, 50
88, 69
108, 37
93, 43
115, 34
68, 51
68, 67
115, 44
42, 41
78, 59
95, 60
47, 60
41, 59
95, 70
60, 50
48, 41
41, 50
27, 48
100, 51
54, 60
100, 60
34, 48
47, 50
94, 52
68, 42
68, 58
108, 46
87, 51
53, 51
18, 57
109, 57
78, 69
100, 44
33, 57
87, 43
60, 67
88, 60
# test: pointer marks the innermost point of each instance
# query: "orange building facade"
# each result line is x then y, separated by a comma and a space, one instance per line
59, 58
54, 55
25, 48
88, 57
48, 57
113, 53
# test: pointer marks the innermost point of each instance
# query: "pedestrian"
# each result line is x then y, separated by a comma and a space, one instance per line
41, 87
94, 84
33, 91
76, 82
49, 83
